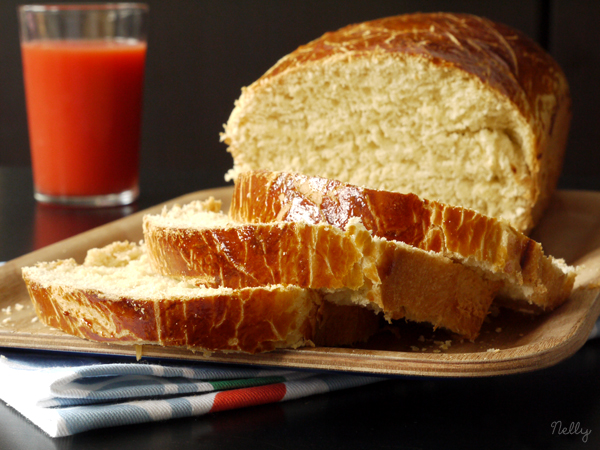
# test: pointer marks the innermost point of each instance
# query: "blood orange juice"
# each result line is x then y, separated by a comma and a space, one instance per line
84, 100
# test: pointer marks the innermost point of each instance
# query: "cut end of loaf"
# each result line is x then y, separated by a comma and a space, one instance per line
452, 107
378, 122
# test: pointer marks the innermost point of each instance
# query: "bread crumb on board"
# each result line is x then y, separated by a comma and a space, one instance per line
442, 346
138, 352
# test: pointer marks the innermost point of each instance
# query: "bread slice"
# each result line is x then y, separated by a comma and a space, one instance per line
529, 278
197, 241
114, 296
349, 266
451, 107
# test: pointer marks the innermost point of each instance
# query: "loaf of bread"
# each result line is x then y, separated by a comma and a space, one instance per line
349, 266
451, 107
356, 129
114, 296
491, 247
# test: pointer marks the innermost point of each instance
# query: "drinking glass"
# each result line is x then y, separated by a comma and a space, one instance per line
83, 69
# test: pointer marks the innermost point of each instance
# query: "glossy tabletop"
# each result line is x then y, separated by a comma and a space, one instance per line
553, 408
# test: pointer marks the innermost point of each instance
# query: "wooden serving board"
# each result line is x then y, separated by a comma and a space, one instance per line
509, 342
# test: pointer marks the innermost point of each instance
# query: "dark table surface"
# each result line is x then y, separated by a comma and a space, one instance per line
506, 412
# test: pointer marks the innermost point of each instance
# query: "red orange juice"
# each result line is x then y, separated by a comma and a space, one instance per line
84, 100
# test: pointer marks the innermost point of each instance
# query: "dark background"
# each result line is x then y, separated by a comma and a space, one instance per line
201, 52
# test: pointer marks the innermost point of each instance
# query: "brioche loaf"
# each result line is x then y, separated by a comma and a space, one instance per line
114, 296
451, 107
349, 266
489, 246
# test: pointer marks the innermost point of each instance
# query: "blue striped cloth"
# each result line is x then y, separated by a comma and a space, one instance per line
68, 394
65, 395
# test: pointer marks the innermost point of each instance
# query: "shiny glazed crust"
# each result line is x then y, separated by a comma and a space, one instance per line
501, 58
489, 246
253, 320
250, 255
349, 266
246, 320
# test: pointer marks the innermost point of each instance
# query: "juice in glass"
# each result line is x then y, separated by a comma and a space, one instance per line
84, 105
83, 68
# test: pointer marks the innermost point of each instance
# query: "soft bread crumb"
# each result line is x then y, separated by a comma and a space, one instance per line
120, 269
196, 214
389, 131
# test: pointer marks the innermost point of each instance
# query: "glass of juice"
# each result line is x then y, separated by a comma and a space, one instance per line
83, 68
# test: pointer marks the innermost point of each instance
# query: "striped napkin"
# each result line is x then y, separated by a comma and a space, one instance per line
65, 395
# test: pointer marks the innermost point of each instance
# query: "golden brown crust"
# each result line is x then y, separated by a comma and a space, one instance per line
131, 305
504, 59
488, 244
382, 275
256, 255
249, 320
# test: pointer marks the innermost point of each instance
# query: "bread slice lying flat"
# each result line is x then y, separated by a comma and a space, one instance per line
452, 107
114, 296
197, 241
349, 266
530, 279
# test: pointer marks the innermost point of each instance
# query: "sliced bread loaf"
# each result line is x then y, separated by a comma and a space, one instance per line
489, 246
114, 296
347, 264
451, 107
